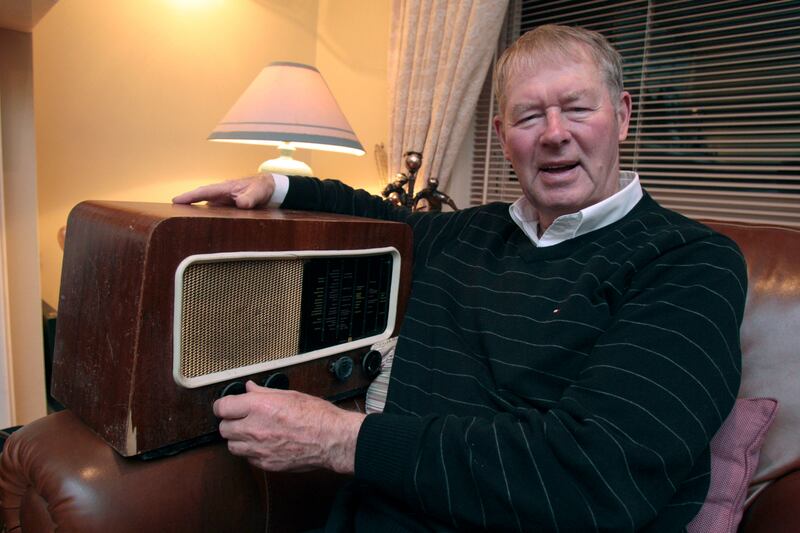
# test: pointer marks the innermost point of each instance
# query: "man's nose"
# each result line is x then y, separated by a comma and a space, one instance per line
555, 131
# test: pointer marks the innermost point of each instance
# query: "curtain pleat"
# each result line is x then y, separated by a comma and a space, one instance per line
440, 52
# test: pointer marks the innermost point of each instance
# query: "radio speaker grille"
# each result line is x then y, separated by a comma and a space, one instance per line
239, 313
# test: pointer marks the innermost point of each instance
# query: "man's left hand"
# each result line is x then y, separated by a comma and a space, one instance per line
280, 430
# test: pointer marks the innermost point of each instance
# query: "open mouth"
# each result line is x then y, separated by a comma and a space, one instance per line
556, 168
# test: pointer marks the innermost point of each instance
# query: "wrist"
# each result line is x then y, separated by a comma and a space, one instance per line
342, 447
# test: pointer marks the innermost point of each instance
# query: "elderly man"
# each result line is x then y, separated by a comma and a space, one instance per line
564, 361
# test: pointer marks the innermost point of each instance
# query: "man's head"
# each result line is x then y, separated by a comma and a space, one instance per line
563, 112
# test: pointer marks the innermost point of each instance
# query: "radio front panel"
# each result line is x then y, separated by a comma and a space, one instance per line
244, 313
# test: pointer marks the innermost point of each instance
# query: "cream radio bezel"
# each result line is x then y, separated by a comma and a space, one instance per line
217, 377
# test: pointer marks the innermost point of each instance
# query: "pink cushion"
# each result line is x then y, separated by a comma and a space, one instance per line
734, 457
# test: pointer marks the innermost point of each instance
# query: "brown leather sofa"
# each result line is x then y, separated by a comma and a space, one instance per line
56, 474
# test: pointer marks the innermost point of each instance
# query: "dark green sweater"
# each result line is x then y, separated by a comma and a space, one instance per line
569, 388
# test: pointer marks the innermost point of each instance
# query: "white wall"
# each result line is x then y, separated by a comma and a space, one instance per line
21, 302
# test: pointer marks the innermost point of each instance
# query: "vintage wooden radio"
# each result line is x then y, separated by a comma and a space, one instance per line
164, 308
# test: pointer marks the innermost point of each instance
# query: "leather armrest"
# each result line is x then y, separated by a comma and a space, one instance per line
775, 509
56, 474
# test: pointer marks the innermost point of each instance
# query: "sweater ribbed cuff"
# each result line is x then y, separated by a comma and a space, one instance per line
385, 449
301, 194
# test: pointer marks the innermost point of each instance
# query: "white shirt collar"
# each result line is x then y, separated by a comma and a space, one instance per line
588, 219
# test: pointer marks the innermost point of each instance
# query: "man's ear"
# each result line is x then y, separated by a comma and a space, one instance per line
501, 134
624, 106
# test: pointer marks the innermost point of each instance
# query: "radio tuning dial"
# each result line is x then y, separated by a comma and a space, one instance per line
342, 368
371, 363
234, 387
278, 380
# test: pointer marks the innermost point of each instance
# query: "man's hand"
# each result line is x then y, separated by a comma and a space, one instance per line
245, 193
280, 430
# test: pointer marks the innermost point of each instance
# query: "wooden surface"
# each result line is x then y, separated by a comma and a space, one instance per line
113, 351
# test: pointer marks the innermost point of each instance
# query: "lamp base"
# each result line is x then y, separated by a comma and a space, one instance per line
286, 164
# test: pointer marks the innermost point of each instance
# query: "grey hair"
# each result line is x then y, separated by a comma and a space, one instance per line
555, 42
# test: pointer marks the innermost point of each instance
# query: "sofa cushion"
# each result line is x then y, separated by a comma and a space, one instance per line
770, 356
734, 457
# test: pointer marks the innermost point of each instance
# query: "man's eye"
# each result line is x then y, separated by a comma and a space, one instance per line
529, 118
577, 110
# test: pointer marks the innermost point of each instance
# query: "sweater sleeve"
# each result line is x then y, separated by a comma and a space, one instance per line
627, 442
332, 196
431, 230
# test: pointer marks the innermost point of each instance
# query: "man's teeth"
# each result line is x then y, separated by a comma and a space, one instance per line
558, 168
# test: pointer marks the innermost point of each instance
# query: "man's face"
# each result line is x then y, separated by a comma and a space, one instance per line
561, 132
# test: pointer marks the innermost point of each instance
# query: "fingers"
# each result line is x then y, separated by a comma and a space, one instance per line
232, 407
245, 193
238, 406
250, 386
267, 465
216, 192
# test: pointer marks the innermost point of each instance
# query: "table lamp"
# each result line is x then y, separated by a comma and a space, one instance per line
290, 106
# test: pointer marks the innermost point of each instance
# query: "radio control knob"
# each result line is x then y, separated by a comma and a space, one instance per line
371, 363
234, 387
278, 380
342, 368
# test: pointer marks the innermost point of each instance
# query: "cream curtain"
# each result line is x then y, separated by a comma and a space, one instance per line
440, 52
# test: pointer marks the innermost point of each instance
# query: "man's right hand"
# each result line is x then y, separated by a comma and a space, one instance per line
245, 193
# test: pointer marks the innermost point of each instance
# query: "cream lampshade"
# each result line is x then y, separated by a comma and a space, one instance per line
290, 106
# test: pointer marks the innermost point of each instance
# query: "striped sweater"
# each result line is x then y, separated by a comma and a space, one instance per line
568, 388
